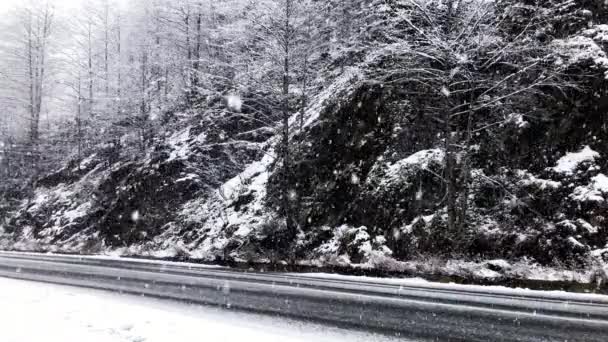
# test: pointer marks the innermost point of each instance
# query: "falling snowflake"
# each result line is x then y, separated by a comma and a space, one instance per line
396, 234
234, 102
226, 288
445, 91
135, 216
419, 194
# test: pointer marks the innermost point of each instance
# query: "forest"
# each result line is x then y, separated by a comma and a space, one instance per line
458, 137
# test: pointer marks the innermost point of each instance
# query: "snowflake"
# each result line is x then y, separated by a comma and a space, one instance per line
234, 102
135, 216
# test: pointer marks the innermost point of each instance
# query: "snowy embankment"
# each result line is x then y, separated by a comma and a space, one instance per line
542, 224
67, 314
486, 290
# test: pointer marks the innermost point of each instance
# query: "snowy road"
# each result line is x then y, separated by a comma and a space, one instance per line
37, 312
411, 308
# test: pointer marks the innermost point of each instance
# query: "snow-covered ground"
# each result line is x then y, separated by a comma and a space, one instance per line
36, 312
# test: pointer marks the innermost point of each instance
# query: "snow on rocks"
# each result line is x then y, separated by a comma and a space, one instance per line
79, 212
531, 180
408, 229
498, 265
257, 170
211, 216
351, 245
580, 49
575, 243
599, 33
188, 177
63, 205
568, 164
181, 143
420, 160
592, 192
342, 83
586, 226
472, 269
517, 120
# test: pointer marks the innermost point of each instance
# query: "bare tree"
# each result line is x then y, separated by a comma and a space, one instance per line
279, 59
38, 27
468, 79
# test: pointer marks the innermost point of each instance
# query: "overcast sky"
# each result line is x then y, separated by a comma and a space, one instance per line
5, 5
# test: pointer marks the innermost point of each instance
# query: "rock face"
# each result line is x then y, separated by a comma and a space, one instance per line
93, 204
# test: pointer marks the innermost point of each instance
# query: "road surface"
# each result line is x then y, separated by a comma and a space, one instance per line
416, 311
39, 312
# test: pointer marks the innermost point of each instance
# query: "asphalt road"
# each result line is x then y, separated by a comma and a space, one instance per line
426, 311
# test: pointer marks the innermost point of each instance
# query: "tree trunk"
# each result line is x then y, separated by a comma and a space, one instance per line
465, 171
33, 134
90, 66
79, 119
286, 193
188, 57
144, 103
304, 103
197, 53
450, 174
118, 67
106, 46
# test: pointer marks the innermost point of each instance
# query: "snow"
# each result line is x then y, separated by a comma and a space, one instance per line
499, 263
180, 144
77, 213
598, 253
476, 270
86, 162
257, 170
41, 197
213, 215
517, 120
600, 182
67, 314
409, 228
574, 242
591, 229
332, 246
347, 78
542, 184
422, 283
421, 159
580, 49
117, 254
598, 33
593, 192
570, 162
362, 239
188, 177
